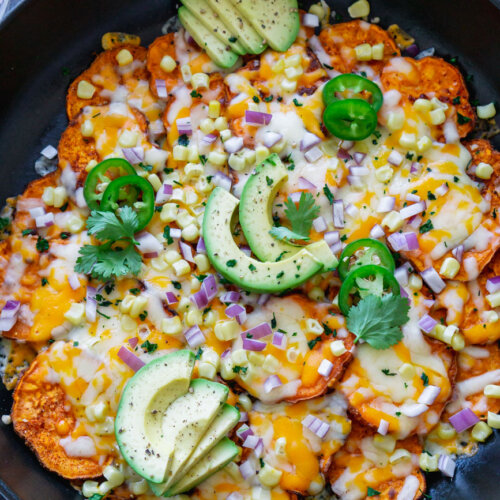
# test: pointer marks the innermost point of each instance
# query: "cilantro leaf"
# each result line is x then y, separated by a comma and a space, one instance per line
370, 492
107, 226
378, 320
283, 233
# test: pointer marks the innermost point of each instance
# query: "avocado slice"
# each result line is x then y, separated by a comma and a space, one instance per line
220, 53
247, 36
222, 453
277, 21
202, 11
250, 274
222, 424
139, 419
187, 419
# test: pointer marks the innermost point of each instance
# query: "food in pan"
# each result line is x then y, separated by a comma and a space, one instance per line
265, 267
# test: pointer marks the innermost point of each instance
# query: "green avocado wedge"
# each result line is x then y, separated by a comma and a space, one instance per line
217, 458
220, 53
277, 21
139, 419
248, 273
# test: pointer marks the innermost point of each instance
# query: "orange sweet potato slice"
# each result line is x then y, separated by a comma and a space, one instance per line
436, 77
339, 41
42, 416
104, 74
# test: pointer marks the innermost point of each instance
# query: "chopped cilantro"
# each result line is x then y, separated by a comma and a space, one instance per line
45, 281
425, 379
195, 94
313, 342
166, 235
328, 194
461, 119
370, 492
177, 285
149, 347
273, 321
297, 103
231, 263
388, 372
426, 227
183, 140
255, 99
42, 245
269, 181
240, 369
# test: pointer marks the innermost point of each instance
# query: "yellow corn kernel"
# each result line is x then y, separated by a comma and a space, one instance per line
237, 162
437, 104
487, 111
191, 198
48, 196
210, 318
184, 305
385, 443
207, 126
169, 212
458, 342
395, 120
75, 224
293, 61
481, 432
190, 233
227, 330
261, 153
226, 368
415, 282
128, 139
85, 90
138, 306
60, 196
193, 154
317, 294
158, 264
422, 105
203, 186
172, 256
407, 371
384, 173
168, 64
239, 357
206, 370
493, 299
202, 262
221, 123
186, 73
90, 165
155, 181
492, 391
210, 356
217, 158
214, 109
178, 195
437, 116
363, 52
126, 303
293, 72
75, 313
87, 128
493, 420
449, 268
378, 52
124, 57
361, 8
279, 66
428, 463
181, 267
156, 158
140, 487
256, 358
288, 85
253, 106
127, 323
280, 447
484, 171
171, 326
271, 364
193, 317
408, 141
399, 455
184, 218
180, 153
225, 134
269, 476
337, 348
245, 402
90, 488
446, 431
490, 316
393, 221
423, 144
200, 81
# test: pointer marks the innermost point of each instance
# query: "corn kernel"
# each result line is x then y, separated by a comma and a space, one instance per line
87, 128
236, 162
423, 144
75, 313
493, 420
140, 487
271, 364
169, 212
407, 371
363, 52
217, 158
225, 135
207, 126
180, 153
202, 262
214, 109
408, 141
253, 106
227, 330
203, 186
428, 463
90, 488
193, 317
492, 391
399, 455
269, 476
288, 85
337, 348
184, 219
393, 221
280, 447
385, 443
158, 264
415, 282
200, 81
48, 196
60, 196
449, 268
484, 171
245, 402
226, 368
261, 153
155, 181
193, 154
75, 224
378, 52
316, 486
128, 139
191, 198
210, 356
167, 64
361, 8
446, 431
457, 342
186, 73
191, 233
124, 57
384, 173
317, 294
181, 267
422, 105
184, 305
210, 318
138, 306
313, 326
177, 195
128, 324
293, 61
293, 73
318, 10
256, 358
172, 256
206, 370
171, 326
437, 116
395, 120
490, 316
239, 356
220, 123
481, 432
90, 165
85, 90
279, 66
493, 299
487, 111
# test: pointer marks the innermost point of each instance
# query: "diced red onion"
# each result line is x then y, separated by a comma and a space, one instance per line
184, 125
74, 282
230, 297
458, 253
258, 332
383, 427
355, 180
313, 155
325, 368
233, 144
415, 221
271, 138
194, 336
251, 441
386, 204
187, 251
45, 220
411, 241
130, 359
199, 299
347, 145
351, 210
200, 247
209, 138
427, 323
308, 141
253, 345
395, 158
415, 167
295, 197
446, 465
236, 311
175, 233
463, 419
235, 495
263, 298
414, 410
134, 155
6, 324
243, 417
91, 304
316, 425
401, 275
411, 210
336, 247
343, 154
171, 298
148, 244
164, 193
222, 180
257, 118
338, 214
359, 157
305, 184
271, 383
426, 53
433, 280
161, 88
397, 241
244, 431
429, 395
359, 171
412, 197
132, 342
37, 212
493, 284
50, 152
10, 309
429, 303
442, 190
209, 286
332, 237
320, 224
310, 20
225, 354
246, 470
279, 340
377, 232
412, 50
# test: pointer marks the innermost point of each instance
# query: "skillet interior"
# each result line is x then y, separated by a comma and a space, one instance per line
44, 44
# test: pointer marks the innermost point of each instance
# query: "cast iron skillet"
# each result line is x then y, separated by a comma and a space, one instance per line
44, 44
